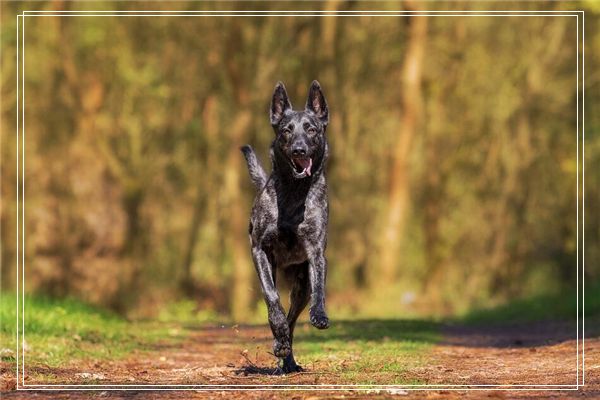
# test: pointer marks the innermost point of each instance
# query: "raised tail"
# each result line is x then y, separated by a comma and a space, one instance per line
257, 173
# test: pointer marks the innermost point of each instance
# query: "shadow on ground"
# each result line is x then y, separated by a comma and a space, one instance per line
522, 334
375, 330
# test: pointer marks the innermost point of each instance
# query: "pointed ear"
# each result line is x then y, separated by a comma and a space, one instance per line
279, 104
316, 103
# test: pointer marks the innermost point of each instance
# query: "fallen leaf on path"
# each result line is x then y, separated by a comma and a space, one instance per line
88, 375
397, 392
9, 384
7, 353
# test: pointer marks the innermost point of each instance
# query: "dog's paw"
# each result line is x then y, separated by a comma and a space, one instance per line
288, 365
319, 319
291, 368
282, 348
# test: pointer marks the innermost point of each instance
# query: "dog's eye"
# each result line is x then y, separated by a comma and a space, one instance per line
312, 130
286, 131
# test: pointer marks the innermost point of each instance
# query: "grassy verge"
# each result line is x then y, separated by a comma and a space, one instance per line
58, 331
368, 351
560, 306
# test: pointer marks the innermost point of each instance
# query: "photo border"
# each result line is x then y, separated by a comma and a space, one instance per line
288, 387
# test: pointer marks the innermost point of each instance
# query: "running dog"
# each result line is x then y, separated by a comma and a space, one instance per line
288, 224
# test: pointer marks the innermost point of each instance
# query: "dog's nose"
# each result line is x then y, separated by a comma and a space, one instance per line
298, 151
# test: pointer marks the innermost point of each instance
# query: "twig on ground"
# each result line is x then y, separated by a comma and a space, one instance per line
245, 355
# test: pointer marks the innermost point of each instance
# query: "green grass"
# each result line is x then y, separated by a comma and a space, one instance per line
61, 330
560, 306
368, 351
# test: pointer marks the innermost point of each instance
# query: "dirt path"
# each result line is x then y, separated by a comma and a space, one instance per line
525, 354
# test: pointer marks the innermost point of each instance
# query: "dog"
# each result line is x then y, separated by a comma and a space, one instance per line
288, 224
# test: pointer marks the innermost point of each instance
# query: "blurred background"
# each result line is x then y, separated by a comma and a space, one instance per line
453, 166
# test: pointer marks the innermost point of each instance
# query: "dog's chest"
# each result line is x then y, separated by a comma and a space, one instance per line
292, 216
287, 249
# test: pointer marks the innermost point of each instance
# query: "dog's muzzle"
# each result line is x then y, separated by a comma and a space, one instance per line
301, 167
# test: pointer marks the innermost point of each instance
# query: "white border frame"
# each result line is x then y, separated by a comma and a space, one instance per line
287, 387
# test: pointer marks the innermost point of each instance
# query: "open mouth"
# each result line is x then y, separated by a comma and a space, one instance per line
302, 166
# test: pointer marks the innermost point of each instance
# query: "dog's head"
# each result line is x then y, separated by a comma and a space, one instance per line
300, 135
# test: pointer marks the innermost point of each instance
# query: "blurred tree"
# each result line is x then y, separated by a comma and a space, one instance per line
452, 171
385, 264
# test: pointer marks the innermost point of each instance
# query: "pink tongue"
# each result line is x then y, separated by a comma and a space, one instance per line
305, 164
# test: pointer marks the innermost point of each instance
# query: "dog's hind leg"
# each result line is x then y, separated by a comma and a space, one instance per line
282, 346
299, 297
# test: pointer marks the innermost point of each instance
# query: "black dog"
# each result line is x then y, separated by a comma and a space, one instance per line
288, 226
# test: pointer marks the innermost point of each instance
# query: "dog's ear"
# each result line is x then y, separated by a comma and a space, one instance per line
316, 103
279, 104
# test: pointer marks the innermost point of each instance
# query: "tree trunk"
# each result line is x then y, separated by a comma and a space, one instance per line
210, 125
236, 239
399, 184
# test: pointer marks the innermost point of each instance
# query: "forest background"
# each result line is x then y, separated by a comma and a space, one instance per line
453, 168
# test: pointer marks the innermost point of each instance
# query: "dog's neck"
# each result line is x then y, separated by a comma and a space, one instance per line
292, 192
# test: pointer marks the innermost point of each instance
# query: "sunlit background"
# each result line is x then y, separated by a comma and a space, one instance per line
452, 175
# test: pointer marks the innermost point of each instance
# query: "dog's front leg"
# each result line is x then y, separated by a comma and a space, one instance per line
277, 319
317, 270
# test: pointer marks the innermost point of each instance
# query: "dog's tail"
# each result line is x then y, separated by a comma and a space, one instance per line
257, 173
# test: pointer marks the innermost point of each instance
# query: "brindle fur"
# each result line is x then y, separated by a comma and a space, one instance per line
288, 225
